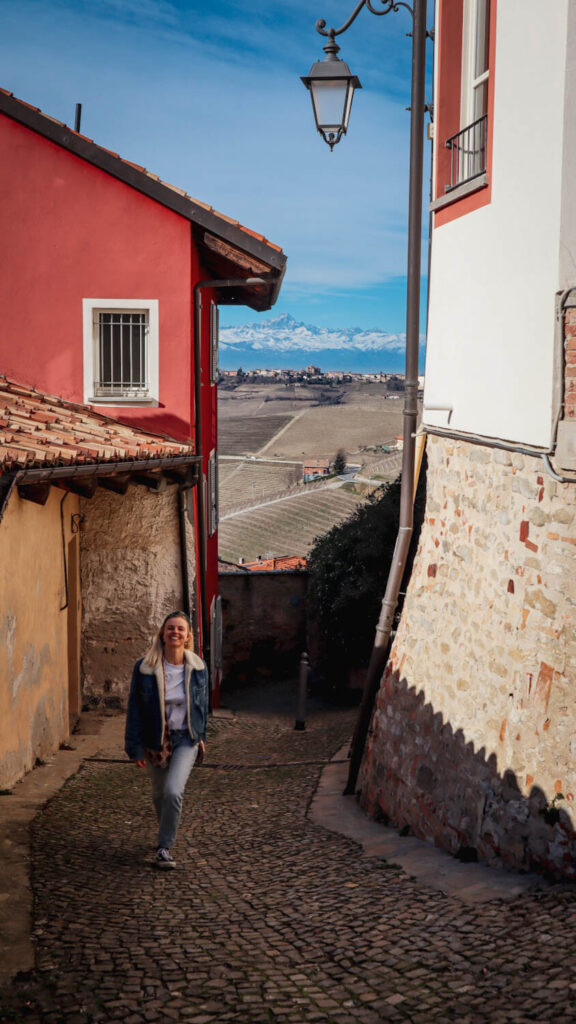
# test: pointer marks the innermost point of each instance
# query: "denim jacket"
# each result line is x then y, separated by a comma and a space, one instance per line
145, 719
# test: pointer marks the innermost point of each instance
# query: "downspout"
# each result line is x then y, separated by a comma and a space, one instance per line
183, 492
382, 641
202, 523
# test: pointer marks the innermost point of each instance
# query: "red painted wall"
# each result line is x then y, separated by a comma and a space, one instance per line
71, 231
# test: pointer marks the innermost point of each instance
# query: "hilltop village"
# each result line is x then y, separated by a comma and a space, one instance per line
313, 375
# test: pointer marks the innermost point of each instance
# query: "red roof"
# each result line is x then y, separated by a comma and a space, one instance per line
282, 562
41, 430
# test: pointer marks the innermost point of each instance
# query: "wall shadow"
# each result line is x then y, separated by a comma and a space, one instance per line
422, 776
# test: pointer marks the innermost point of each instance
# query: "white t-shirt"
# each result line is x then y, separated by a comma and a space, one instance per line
175, 695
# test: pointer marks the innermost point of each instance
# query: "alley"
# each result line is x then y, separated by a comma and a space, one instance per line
269, 917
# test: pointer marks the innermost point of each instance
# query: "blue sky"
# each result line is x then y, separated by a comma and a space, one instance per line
208, 96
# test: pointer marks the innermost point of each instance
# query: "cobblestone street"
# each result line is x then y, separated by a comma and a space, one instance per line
269, 916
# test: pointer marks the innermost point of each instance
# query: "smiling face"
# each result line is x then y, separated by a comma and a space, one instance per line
174, 635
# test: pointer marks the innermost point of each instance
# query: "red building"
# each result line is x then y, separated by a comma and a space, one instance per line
110, 286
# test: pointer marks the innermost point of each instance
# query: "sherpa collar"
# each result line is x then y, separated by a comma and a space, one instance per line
190, 659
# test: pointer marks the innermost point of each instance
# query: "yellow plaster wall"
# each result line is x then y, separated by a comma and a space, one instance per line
33, 633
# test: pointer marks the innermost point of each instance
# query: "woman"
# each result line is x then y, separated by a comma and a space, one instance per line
166, 722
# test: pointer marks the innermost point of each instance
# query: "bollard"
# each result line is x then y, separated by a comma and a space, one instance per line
302, 687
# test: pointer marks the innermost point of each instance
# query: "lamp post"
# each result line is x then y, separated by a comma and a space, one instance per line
332, 88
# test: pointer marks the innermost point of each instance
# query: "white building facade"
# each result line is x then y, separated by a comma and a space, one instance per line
472, 742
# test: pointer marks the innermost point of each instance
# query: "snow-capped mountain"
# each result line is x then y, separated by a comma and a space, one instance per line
284, 341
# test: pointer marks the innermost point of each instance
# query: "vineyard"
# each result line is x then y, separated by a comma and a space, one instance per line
247, 435
288, 526
252, 482
275, 423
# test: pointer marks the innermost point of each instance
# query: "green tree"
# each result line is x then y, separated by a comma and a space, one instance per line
349, 569
340, 462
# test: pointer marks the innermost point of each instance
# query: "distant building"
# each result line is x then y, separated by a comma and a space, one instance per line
282, 563
315, 470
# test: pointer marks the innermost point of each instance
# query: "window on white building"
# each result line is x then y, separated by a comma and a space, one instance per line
468, 146
475, 55
120, 351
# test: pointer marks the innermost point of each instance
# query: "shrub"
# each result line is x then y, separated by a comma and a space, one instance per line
349, 569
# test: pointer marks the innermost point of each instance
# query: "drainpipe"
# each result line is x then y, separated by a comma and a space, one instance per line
382, 641
241, 282
183, 492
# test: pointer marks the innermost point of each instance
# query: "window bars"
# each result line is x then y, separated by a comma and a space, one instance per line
468, 152
122, 343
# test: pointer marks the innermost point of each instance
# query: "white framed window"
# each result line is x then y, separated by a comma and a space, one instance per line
121, 351
469, 145
475, 61
214, 341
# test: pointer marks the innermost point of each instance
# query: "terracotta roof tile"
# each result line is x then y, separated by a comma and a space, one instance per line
43, 430
277, 564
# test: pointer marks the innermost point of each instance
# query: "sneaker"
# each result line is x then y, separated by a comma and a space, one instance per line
164, 859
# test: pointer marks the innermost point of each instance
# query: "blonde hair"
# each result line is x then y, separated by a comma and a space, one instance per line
155, 652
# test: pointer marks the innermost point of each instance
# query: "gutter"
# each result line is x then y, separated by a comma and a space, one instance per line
232, 282
47, 474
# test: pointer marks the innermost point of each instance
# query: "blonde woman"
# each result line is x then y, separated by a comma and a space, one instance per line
166, 722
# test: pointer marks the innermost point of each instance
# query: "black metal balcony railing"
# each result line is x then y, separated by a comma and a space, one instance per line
468, 152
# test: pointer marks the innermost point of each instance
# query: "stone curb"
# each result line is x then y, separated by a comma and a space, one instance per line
472, 883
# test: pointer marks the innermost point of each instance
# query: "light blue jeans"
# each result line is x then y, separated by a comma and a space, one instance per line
168, 785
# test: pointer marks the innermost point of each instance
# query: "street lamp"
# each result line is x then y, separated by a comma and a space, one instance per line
333, 74
331, 87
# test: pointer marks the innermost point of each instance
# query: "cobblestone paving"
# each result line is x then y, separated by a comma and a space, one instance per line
268, 918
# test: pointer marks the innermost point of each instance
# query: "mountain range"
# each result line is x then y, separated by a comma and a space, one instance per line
284, 342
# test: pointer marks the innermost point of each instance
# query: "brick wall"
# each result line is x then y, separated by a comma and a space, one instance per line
264, 624
474, 729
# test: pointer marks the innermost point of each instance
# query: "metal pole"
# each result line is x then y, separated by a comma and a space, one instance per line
302, 688
77, 117
381, 646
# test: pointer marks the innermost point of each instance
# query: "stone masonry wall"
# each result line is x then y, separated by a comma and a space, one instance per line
474, 730
131, 578
264, 624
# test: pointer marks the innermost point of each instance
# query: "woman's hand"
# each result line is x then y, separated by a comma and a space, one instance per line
201, 752
140, 764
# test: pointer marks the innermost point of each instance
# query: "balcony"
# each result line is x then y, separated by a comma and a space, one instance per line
467, 153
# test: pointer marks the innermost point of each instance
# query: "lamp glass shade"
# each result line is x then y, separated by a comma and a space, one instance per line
332, 100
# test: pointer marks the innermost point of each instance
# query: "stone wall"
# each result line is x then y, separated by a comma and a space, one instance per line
131, 578
474, 732
264, 624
